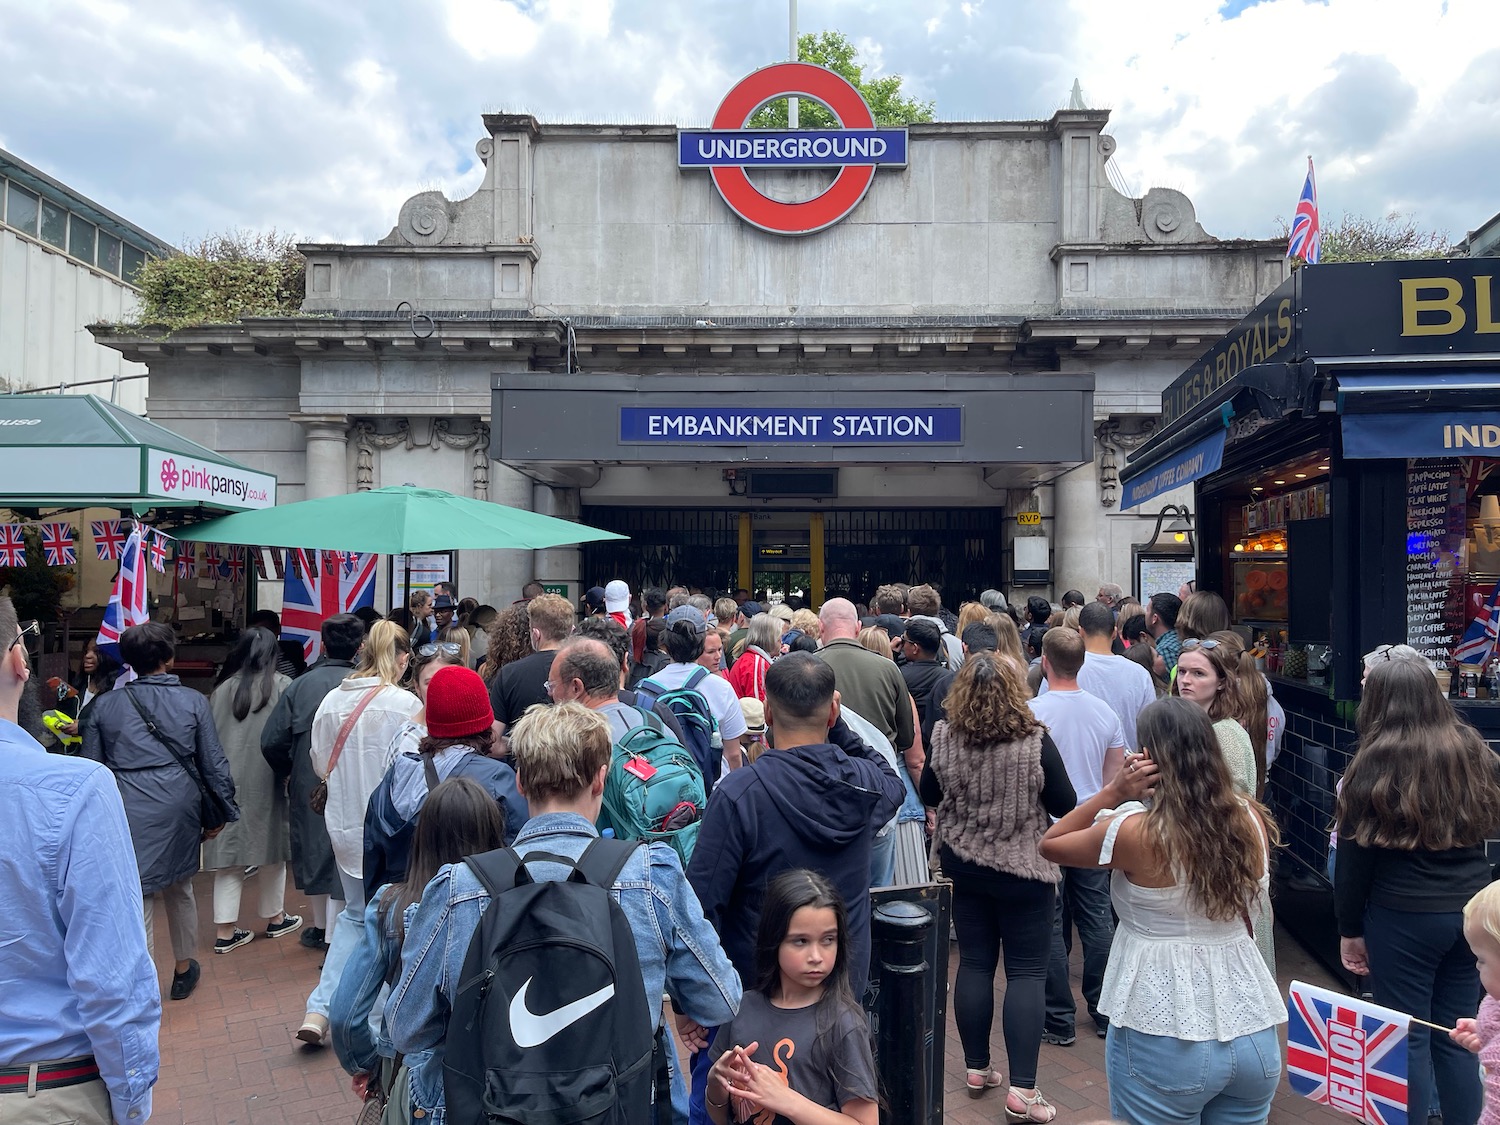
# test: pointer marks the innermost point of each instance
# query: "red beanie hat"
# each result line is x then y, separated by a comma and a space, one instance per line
458, 703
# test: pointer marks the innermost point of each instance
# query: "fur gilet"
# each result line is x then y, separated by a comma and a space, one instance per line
991, 813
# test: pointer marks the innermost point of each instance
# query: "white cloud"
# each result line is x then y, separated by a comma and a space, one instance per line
321, 118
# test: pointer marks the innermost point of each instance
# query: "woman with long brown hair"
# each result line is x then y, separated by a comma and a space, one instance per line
459, 818
1008, 637
1192, 1006
995, 775
1420, 797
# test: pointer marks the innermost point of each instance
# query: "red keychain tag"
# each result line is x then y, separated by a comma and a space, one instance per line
640, 768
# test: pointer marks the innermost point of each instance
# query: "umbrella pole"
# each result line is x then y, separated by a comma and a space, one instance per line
406, 585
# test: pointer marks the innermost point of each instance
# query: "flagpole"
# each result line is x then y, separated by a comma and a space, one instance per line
1434, 1026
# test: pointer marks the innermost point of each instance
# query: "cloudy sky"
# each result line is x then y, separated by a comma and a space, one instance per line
319, 117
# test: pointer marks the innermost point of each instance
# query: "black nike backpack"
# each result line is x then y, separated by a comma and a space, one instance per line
551, 1021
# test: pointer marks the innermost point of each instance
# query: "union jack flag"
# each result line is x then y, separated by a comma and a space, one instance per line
158, 550
127, 601
302, 561
108, 539
1307, 238
234, 563
1478, 642
211, 561
12, 544
311, 597
187, 561
1347, 1054
57, 544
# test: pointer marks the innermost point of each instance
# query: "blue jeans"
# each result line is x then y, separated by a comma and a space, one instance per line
1083, 897
1158, 1080
348, 935
883, 859
1420, 964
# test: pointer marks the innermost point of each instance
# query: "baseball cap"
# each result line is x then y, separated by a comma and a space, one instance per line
893, 625
616, 596
750, 609
595, 597
691, 614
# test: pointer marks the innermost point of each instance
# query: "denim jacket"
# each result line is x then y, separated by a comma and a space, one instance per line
679, 952
376, 960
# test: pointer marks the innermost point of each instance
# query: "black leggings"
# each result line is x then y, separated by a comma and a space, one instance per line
992, 909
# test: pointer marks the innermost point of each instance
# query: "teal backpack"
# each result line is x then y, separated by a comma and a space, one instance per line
654, 789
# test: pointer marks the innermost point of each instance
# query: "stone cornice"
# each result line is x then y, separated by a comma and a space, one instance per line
1131, 249
1091, 120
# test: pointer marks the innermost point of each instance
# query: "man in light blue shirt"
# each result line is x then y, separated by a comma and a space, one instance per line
79, 1003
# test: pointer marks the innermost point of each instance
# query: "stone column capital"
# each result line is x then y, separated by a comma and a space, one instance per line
323, 425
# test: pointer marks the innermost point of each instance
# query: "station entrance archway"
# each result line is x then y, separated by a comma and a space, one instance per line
827, 552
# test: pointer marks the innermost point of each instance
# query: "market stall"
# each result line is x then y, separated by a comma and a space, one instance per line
76, 473
1340, 442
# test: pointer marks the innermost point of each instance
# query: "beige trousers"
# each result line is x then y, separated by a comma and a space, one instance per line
84, 1104
181, 909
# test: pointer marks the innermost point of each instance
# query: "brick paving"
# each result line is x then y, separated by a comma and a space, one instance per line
229, 1057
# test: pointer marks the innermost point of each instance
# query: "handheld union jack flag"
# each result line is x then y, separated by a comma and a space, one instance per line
312, 596
127, 601
108, 539
57, 544
1478, 642
158, 549
12, 544
1347, 1054
1307, 237
187, 561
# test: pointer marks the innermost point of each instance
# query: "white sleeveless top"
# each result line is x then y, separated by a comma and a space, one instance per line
1173, 971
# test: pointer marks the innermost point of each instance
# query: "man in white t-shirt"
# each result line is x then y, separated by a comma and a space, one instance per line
1123, 684
684, 648
1091, 740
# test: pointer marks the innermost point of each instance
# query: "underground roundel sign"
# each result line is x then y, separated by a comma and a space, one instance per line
856, 150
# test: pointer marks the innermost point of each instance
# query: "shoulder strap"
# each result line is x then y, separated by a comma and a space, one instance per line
603, 860
694, 678
429, 767
1124, 812
184, 759
348, 727
498, 870
651, 719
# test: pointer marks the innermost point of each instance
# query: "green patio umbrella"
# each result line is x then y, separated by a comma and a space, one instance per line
401, 520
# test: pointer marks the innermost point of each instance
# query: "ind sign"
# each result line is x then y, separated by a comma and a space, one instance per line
856, 149
746, 425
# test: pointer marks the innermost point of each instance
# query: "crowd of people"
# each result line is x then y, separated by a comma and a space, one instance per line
447, 785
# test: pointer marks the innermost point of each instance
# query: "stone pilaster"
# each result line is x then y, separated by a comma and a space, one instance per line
327, 454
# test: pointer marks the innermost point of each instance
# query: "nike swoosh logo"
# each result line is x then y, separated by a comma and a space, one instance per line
532, 1030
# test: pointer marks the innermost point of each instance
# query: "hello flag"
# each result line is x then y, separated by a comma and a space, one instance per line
1347, 1054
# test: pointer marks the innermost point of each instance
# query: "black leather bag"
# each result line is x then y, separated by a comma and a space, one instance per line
213, 811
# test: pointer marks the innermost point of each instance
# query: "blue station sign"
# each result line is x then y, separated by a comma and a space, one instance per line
799, 148
749, 425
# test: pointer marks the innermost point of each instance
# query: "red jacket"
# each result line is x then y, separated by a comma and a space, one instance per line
748, 675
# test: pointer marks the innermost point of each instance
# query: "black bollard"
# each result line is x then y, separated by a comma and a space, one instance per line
902, 1038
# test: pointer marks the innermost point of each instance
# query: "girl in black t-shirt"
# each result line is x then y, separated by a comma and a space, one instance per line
798, 1052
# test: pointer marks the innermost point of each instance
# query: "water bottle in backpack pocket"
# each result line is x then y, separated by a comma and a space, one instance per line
654, 790
551, 1022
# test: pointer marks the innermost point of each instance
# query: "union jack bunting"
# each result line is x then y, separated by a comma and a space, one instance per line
158, 550
57, 544
12, 544
210, 567
127, 601
108, 539
302, 562
1347, 1054
187, 561
1307, 237
1478, 642
234, 563
313, 596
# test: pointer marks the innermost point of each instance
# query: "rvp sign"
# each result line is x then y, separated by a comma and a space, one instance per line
856, 150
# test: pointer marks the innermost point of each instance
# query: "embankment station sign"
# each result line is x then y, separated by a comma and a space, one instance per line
856, 149
761, 426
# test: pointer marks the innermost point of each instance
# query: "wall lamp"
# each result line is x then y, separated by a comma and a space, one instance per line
1180, 529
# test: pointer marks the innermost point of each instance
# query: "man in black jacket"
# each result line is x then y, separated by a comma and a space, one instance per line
926, 679
809, 803
286, 743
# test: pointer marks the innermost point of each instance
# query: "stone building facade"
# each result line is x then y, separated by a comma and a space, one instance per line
493, 345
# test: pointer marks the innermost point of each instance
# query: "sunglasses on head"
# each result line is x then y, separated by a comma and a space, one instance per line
447, 648
27, 629
1205, 645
